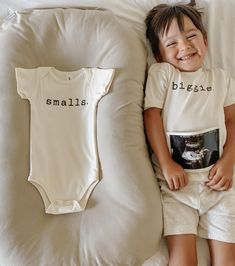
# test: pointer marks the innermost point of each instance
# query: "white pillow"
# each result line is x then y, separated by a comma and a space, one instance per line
122, 222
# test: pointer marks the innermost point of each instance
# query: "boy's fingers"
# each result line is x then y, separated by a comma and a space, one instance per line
223, 181
214, 180
223, 184
170, 184
212, 173
176, 183
182, 181
227, 185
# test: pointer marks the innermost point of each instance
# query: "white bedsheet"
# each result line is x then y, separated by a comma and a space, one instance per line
219, 21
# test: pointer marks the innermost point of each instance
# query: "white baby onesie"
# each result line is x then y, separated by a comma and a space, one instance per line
64, 163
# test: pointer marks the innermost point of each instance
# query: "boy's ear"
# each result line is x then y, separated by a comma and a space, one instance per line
206, 41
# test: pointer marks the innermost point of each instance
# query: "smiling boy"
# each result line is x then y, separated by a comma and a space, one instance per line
185, 102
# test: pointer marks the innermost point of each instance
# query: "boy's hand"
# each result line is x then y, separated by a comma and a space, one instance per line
175, 175
221, 176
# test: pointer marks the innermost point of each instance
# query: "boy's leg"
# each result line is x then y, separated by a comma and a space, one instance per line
221, 253
182, 250
180, 223
217, 225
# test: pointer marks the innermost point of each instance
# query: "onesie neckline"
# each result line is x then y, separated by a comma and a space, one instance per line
66, 76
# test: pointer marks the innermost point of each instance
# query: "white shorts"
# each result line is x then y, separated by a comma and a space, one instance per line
197, 209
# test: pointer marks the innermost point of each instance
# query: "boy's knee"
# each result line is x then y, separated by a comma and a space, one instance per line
183, 260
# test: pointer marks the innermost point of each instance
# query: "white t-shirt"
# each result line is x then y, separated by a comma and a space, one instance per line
191, 102
64, 163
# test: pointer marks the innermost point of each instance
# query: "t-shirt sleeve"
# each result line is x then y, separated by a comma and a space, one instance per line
26, 82
156, 86
230, 97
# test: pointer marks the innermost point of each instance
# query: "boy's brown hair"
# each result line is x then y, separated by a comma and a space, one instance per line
159, 19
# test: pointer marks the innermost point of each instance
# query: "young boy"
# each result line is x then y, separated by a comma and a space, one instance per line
190, 124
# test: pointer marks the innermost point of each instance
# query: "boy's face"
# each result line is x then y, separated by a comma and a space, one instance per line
184, 50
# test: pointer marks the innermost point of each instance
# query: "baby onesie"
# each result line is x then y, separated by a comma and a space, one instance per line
64, 164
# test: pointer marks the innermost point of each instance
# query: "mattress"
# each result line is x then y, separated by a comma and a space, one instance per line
122, 222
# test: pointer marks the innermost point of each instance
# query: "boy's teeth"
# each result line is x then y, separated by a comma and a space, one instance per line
185, 57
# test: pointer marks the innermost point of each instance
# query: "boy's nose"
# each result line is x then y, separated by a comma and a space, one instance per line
184, 45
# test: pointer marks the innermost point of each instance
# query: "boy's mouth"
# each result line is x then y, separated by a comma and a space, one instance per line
187, 57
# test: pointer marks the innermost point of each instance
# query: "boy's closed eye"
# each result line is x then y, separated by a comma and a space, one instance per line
191, 36
171, 44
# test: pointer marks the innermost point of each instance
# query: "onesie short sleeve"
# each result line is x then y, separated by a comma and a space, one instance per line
102, 79
26, 80
157, 84
230, 97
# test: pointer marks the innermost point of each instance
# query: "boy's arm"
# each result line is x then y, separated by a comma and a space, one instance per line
221, 174
174, 174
